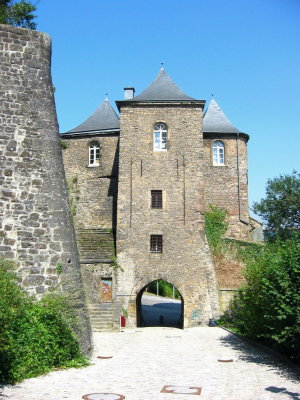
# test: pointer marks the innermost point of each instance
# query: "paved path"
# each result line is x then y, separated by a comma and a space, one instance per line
157, 310
145, 360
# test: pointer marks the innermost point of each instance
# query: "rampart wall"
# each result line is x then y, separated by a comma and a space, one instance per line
35, 226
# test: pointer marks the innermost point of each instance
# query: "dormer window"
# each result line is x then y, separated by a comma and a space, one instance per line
94, 154
160, 137
218, 153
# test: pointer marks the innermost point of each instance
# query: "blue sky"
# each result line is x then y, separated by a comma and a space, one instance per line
247, 53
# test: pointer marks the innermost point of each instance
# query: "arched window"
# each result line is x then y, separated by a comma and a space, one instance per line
94, 154
218, 153
160, 137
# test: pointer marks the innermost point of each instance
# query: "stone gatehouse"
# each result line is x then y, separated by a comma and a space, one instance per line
139, 185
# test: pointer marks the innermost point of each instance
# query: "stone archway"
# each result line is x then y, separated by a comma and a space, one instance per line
159, 309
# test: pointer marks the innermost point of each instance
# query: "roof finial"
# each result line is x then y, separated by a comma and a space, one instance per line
212, 95
162, 65
106, 96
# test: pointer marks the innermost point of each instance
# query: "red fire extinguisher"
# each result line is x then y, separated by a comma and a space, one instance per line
123, 321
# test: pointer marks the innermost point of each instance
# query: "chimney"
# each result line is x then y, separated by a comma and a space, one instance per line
129, 93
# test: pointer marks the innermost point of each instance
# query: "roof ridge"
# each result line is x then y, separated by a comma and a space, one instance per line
104, 117
162, 88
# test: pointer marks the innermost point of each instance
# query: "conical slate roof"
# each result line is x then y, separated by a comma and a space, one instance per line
215, 121
162, 88
104, 118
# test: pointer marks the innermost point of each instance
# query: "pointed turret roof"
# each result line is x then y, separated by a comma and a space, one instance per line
215, 121
104, 118
162, 89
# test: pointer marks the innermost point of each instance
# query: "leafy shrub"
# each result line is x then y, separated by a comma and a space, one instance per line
268, 307
165, 289
215, 227
34, 336
242, 251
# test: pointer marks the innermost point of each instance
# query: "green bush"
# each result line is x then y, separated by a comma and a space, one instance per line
268, 306
34, 336
242, 251
215, 227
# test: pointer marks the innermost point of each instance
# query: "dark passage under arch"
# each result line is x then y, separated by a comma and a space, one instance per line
162, 307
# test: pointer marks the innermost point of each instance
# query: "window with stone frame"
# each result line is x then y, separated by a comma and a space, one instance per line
156, 243
218, 153
160, 137
94, 154
156, 199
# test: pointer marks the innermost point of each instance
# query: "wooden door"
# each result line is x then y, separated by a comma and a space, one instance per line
106, 290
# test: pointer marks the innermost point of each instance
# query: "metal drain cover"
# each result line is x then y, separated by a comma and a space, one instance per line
104, 357
181, 389
224, 360
103, 396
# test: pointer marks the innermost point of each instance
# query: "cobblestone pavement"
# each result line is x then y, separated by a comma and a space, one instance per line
145, 360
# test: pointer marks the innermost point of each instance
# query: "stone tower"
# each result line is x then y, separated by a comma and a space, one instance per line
160, 222
35, 225
226, 172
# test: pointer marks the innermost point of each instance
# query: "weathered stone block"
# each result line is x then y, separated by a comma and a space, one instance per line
33, 280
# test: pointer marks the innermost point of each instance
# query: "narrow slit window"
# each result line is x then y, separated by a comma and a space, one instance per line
156, 198
94, 154
218, 153
156, 244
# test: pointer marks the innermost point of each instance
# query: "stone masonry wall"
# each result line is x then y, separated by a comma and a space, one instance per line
92, 190
221, 184
185, 260
35, 226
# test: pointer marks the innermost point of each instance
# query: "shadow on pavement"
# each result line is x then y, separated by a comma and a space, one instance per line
161, 314
254, 354
292, 395
173, 307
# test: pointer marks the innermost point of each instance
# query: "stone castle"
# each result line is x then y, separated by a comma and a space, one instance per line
144, 181
138, 186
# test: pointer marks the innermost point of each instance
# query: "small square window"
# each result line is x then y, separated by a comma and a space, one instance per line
156, 198
156, 244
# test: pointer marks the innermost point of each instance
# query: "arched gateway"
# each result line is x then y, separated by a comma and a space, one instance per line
159, 304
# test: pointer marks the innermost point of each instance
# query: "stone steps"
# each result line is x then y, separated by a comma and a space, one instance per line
102, 317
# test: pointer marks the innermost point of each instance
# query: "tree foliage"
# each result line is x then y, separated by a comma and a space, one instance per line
281, 207
17, 13
35, 337
268, 306
165, 289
